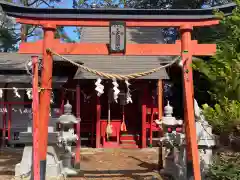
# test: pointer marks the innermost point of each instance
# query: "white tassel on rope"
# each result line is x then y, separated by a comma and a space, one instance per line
129, 96
1, 93
116, 90
29, 93
52, 99
99, 87
15, 90
180, 63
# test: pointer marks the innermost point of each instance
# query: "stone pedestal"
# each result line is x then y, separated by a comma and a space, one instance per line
54, 166
67, 165
54, 169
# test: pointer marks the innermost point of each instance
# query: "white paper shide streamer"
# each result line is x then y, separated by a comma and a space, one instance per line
15, 90
116, 91
29, 93
129, 96
180, 63
99, 87
52, 99
1, 93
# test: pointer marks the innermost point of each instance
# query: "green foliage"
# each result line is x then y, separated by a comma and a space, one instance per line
226, 166
146, 4
7, 40
223, 117
99, 3
223, 70
11, 34
223, 74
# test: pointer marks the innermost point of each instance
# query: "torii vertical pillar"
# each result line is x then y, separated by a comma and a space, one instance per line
160, 98
193, 163
35, 107
45, 95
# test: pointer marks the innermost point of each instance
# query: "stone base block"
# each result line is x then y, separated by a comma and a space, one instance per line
70, 171
47, 178
54, 167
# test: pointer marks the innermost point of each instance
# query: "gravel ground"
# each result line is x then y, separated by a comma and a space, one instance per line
99, 164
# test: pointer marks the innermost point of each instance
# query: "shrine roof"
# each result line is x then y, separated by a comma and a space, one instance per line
26, 79
108, 64
12, 66
113, 14
13, 61
122, 65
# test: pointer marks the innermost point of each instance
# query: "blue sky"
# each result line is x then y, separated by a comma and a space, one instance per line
69, 30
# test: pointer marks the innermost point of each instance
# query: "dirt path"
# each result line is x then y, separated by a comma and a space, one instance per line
98, 164
8, 160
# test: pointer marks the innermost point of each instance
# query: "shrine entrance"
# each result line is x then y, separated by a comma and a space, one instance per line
143, 92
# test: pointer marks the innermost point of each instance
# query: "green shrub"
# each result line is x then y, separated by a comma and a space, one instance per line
224, 117
226, 166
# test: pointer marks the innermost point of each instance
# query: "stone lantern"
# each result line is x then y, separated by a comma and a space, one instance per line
67, 136
172, 128
174, 143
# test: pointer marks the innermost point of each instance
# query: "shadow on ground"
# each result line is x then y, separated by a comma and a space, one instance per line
8, 160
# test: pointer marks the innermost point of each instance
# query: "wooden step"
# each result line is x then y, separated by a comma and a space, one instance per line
129, 137
129, 146
128, 142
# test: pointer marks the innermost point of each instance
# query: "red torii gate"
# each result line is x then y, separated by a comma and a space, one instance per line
49, 19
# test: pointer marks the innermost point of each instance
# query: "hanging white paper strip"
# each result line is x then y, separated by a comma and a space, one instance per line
15, 90
1, 93
29, 93
99, 87
180, 63
116, 90
3, 110
52, 99
129, 96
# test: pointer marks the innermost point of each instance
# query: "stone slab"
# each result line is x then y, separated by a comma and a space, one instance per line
54, 165
26, 138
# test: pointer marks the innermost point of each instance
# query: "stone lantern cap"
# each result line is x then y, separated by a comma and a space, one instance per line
67, 117
168, 110
168, 119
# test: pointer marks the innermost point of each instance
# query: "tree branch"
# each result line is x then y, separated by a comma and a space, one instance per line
32, 3
48, 4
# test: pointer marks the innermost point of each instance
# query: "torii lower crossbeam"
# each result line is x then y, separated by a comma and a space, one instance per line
131, 49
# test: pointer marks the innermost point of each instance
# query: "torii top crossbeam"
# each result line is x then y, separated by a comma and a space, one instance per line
102, 16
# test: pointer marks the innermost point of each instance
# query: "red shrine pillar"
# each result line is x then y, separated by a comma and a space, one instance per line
78, 112
9, 121
160, 115
35, 107
4, 118
98, 125
160, 98
193, 163
144, 116
45, 95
